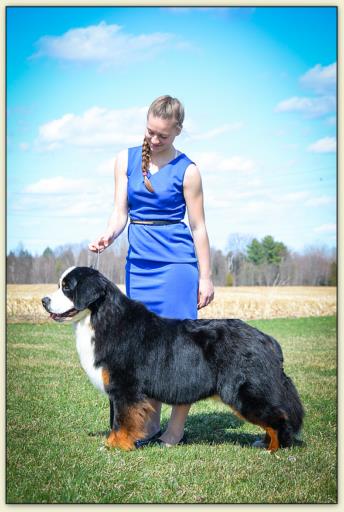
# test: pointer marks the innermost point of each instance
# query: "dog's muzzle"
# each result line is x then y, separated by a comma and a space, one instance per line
59, 317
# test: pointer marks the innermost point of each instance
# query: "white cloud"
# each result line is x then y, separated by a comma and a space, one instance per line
70, 198
310, 107
234, 199
212, 162
325, 228
215, 202
320, 201
88, 205
100, 127
104, 44
106, 167
255, 206
206, 160
294, 197
237, 164
325, 145
214, 132
321, 79
56, 185
305, 198
24, 146
254, 183
96, 128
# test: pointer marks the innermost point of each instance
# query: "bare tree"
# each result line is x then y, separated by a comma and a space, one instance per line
219, 267
316, 266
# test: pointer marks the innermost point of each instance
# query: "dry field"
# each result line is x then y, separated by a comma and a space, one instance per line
246, 303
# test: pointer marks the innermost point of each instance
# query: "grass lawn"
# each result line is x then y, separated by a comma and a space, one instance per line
57, 422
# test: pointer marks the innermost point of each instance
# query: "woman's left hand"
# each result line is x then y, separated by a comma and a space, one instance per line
205, 293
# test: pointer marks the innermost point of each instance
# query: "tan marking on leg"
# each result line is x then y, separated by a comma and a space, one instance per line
271, 437
105, 376
271, 434
274, 443
132, 427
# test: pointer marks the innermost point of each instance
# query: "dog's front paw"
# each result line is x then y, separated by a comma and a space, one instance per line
111, 441
119, 439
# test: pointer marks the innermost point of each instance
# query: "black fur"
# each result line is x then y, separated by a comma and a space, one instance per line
182, 361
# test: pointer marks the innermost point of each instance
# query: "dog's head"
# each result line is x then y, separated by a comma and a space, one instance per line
78, 289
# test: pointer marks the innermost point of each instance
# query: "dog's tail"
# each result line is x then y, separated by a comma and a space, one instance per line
294, 412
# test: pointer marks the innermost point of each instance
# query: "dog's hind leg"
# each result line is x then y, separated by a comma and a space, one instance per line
272, 437
279, 438
258, 409
271, 441
131, 426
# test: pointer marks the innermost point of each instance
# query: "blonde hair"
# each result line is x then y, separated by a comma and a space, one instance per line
167, 107
164, 107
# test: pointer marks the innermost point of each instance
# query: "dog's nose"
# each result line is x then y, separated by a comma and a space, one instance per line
46, 302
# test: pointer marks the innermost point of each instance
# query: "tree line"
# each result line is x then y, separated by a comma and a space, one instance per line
246, 262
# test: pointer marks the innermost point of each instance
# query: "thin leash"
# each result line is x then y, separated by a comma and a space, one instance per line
97, 261
95, 266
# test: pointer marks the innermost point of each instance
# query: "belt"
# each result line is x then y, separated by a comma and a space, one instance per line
154, 222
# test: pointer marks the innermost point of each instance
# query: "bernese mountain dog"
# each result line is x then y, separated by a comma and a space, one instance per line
132, 354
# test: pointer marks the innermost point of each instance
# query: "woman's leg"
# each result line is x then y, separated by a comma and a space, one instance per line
181, 281
163, 298
153, 423
175, 428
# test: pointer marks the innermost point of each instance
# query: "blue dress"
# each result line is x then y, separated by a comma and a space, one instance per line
161, 265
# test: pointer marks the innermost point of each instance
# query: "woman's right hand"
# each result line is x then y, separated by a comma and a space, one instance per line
102, 242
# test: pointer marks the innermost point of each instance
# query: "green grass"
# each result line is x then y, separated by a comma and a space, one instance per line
56, 426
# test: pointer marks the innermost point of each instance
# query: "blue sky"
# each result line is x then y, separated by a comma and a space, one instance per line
259, 90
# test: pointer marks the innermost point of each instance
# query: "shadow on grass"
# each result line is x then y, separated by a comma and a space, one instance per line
217, 428
210, 428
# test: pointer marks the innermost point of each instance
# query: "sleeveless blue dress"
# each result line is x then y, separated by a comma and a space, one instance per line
161, 265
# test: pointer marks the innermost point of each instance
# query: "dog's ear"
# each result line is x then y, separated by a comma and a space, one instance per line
87, 291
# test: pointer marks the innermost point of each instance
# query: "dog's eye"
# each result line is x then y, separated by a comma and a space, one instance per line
65, 287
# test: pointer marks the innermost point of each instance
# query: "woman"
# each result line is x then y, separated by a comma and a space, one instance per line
154, 184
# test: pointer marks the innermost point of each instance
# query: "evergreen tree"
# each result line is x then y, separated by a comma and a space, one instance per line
267, 251
273, 251
255, 252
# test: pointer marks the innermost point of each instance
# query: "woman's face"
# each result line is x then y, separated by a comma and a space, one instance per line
161, 133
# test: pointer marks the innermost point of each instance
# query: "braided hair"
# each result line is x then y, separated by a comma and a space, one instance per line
164, 107
146, 153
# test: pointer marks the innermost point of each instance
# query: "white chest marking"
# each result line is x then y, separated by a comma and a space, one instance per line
85, 348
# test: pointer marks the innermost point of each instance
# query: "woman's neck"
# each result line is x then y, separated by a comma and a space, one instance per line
163, 157
167, 154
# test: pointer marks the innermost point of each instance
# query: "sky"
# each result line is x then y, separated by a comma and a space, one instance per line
259, 89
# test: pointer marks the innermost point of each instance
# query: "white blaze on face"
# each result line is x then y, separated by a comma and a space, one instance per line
59, 303
64, 274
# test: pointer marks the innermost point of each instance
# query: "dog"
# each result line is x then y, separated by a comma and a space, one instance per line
131, 354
